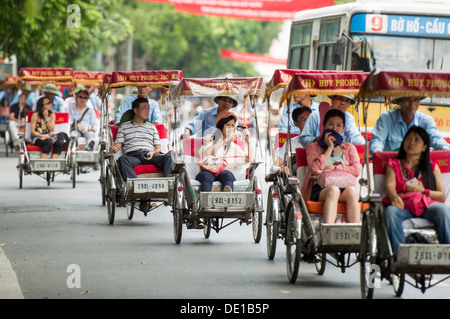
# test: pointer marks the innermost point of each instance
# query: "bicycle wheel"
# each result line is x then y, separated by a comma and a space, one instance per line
293, 247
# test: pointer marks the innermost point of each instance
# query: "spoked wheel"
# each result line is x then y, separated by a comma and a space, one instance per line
271, 229
177, 224
130, 211
48, 177
398, 282
110, 199
293, 247
74, 174
256, 226
20, 176
207, 228
321, 263
103, 180
368, 256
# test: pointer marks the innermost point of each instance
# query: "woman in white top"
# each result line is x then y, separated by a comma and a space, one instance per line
223, 146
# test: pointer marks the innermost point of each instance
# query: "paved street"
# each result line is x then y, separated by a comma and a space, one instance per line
52, 233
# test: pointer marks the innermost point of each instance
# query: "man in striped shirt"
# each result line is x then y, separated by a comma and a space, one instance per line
140, 141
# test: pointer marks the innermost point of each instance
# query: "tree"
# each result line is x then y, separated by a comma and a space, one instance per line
166, 39
57, 33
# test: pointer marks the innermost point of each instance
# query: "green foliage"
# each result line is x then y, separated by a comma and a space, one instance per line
44, 33
166, 39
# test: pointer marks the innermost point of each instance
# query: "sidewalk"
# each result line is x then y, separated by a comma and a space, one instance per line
9, 286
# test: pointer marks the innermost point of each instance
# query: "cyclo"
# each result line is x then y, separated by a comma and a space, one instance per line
29, 158
90, 159
278, 196
305, 236
9, 85
151, 186
208, 210
376, 256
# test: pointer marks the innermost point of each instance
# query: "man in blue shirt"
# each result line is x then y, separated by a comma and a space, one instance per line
351, 134
143, 91
205, 122
300, 100
391, 126
52, 93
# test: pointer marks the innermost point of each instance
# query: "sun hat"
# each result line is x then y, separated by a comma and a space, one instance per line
397, 99
81, 88
50, 88
224, 115
235, 101
348, 96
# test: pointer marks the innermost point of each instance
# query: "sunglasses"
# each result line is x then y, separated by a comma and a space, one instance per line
83, 97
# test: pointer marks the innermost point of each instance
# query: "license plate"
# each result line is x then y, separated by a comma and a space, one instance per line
429, 255
47, 165
86, 157
342, 235
151, 186
227, 200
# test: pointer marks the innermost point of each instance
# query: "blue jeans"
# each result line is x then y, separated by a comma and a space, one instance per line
207, 179
437, 213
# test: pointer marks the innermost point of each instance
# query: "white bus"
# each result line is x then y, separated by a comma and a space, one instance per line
368, 34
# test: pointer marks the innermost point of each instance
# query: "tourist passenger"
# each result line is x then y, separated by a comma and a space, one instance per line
301, 100
411, 175
351, 134
143, 91
223, 146
140, 141
300, 115
330, 153
42, 124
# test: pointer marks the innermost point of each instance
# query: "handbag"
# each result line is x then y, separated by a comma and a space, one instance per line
337, 178
415, 202
213, 164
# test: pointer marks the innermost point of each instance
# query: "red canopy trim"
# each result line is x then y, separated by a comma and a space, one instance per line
89, 78
60, 76
282, 77
396, 82
336, 83
144, 78
216, 86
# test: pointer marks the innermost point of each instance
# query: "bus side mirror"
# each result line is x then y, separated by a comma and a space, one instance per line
339, 51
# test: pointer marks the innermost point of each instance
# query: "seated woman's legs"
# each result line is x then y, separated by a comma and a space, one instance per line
57, 148
206, 180
330, 196
439, 214
350, 196
226, 178
393, 219
46, 146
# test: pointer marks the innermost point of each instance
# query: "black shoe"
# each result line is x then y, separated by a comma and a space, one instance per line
90, 146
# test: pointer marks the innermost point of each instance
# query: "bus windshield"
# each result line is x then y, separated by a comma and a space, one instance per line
400, 52
371, 51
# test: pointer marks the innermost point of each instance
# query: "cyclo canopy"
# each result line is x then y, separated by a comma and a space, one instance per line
282, 77
325, 83
155, 79
41, 76
89, 78
397, 82
216, 86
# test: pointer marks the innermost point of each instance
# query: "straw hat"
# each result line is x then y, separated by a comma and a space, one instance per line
50, 88
235, 102
397, 99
